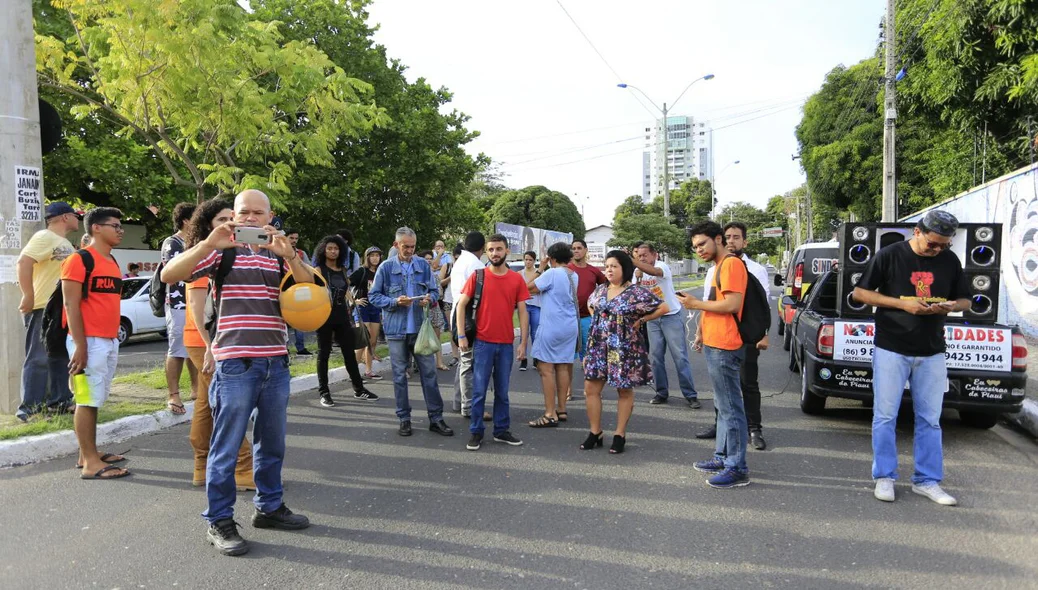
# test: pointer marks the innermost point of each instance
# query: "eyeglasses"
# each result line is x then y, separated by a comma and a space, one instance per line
115, 226
938, 245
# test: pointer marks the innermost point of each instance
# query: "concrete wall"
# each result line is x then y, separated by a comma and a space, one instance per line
1011, 200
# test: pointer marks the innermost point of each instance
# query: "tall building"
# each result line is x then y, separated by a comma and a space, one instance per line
689, 153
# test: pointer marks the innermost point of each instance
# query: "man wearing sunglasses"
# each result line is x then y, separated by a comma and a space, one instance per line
913, 285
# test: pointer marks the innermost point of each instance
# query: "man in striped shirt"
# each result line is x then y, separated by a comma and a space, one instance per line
251, 367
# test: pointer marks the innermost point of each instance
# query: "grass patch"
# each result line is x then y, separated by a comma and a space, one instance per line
45, 424
686, 284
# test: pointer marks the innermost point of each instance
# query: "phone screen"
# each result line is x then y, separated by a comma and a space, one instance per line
251, 235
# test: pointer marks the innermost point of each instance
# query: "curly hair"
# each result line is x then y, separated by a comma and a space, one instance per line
201, 224
319, 257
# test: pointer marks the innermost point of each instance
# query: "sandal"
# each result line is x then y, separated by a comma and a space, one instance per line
543, 422
100, 473
563, 416
107, 458
177, 408
443, 368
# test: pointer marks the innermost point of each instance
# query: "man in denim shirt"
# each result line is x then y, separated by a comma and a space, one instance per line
404, 287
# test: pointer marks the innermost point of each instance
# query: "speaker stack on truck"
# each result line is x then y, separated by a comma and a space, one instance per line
977, 246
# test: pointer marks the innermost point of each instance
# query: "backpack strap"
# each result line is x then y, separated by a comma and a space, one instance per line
88, 267
717, 281
478, 293
226, 264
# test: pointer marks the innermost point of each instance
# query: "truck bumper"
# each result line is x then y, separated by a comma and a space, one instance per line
973, 391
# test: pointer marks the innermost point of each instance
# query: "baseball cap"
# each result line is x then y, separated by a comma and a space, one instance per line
372, 250
60, 208
941, 223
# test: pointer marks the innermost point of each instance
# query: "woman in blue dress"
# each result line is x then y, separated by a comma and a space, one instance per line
557, 334
617, 353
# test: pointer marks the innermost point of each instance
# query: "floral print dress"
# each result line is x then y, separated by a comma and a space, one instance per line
616, 350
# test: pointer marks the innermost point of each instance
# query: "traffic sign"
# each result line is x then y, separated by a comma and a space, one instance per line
771, 232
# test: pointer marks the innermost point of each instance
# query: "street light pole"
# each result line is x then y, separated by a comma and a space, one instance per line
666, 137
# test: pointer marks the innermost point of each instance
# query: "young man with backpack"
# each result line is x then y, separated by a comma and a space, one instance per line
735, 240
39, 269
91, 288
251, 374
176, 311
720, 338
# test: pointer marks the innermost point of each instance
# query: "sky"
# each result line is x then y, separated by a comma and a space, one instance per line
548, 108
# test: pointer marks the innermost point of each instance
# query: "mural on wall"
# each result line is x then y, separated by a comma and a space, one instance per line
1011, 200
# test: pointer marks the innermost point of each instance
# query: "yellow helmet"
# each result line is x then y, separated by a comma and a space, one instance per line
305, 306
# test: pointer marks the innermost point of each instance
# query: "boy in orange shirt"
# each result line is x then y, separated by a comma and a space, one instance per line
719, 335
93, 334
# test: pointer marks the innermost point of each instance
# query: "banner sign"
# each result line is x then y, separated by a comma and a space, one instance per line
524, 239
771, 232
968, 347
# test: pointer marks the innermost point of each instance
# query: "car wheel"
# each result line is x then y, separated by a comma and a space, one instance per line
809, 402
125, 330
978, 419
794, 366
787, 341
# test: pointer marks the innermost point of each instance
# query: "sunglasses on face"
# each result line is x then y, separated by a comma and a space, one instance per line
938, 245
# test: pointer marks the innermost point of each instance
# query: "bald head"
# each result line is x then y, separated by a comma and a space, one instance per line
252, 207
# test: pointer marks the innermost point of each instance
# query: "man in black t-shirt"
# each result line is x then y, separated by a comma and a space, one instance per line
913, 285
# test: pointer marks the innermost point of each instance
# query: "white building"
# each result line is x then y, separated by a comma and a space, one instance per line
597, 239
689, 153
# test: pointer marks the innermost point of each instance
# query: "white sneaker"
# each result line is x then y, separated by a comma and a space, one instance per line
884, 489
934, 492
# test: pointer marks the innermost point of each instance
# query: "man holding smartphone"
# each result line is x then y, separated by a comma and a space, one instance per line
251, 365
913, 285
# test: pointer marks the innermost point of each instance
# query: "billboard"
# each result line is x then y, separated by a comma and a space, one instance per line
522, 239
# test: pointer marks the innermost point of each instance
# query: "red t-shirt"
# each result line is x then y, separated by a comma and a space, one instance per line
100, 310
588, 277
501, 294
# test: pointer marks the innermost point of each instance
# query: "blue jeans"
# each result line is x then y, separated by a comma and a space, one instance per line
240, 386
41, 373
585, 328
534, 313
400, 352
488, 357
300, 340
668, 334
927, 378
723, 366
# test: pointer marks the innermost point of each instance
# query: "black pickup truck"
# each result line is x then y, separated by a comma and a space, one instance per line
987, 364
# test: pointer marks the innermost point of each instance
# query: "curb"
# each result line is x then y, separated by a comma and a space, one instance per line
44, 447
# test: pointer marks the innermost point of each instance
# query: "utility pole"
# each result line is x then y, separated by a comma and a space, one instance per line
809, 215
21, 209
666, 167
890, 120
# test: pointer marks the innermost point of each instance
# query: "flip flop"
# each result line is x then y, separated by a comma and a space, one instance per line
106, 469
107, 459
174, 407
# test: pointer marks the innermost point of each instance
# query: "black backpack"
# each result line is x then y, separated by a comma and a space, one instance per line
470, 311
212, 299
756, 313
52, 331
157, 289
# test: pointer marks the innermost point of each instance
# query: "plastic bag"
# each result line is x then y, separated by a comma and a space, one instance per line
427, 342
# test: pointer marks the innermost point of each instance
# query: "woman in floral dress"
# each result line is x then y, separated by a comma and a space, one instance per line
617, 353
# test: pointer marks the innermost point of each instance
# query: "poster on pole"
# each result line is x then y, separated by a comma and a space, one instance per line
28, 182
525, 239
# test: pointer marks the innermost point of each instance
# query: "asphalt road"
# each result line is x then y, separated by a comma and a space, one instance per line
423, 512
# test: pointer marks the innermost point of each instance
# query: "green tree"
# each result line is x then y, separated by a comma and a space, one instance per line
648, 227
537, 206
412, 170
695, 198
632, 205
208, 87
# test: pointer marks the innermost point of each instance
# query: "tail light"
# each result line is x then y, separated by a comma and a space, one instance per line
827, 336
798, 280
1019, 352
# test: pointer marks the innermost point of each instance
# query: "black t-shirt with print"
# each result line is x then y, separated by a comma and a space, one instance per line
897, 271
175, 294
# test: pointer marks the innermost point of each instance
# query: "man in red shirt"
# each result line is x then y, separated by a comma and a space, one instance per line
588, 277
503, 291
92, 314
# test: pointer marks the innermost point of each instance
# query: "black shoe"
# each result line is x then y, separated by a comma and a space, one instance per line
475, 441
364, 395
440, 427
304, 352
593, 440
405, 428
282, 518
326, 400
507, 438
757, 440
223, 534
694, 403
522, 365
707, 433
659, 399
618, 444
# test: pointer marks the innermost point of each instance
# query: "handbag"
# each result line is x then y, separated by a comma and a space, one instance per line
361, 338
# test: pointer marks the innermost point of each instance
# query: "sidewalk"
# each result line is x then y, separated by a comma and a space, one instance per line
1027, 418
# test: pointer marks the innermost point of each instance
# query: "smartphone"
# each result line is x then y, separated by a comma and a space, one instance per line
251, 235
680, 293
947, 304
